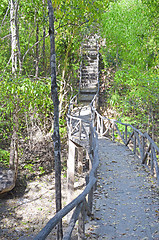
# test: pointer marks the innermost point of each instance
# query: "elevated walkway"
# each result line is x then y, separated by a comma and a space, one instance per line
126, 204
120, 198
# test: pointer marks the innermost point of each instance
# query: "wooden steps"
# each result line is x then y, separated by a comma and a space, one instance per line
89, 71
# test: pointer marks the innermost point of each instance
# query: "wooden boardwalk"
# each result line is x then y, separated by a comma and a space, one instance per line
126, 203
120, 200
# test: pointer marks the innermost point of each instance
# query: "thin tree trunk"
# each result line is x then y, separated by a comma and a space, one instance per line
56, 135
37, 51
44, 34
13, 22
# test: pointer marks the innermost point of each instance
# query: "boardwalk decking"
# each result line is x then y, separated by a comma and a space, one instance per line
126, 204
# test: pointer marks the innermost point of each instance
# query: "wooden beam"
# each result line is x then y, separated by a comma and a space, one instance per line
70, 171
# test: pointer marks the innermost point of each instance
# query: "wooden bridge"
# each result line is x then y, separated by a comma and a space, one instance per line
86, 129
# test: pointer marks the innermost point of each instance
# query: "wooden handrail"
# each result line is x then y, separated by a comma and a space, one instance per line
135, 139
80, 201
78, 126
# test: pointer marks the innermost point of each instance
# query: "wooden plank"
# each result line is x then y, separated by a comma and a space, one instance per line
155, 164
74, 218
126, 133
80, 128
146, 154
80, 160
143, 148
151, 141
132, 134
134, 143
70, 171
90, 196
101, 128
81, 224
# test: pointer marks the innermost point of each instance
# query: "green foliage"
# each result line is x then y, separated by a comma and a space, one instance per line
130, 30
4, 157
32, 100
29, 167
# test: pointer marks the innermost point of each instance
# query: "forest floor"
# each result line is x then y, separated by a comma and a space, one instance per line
24, 212
29, 206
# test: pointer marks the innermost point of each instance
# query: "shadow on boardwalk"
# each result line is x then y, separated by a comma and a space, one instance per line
126, 204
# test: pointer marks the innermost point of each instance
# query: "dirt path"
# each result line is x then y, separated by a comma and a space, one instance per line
126, 203
22, 217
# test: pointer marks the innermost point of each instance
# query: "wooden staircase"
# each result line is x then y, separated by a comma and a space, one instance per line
89, 70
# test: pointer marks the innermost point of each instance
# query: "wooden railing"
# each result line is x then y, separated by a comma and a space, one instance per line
83, 203
140, 143
73, 104
78, 129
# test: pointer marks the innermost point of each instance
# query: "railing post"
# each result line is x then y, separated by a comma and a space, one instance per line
101, 128
80, 160
80, 129
134, 149
152, 160
90, 195
126, 133
81, 223
113, 138
143, 148
70, 173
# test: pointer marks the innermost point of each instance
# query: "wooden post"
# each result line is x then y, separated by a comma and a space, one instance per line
81, 224
126, 133
90, 196
134, 150
143, 148
101, 128
152, 160
113, 133
80, 160
80, 129
70, 173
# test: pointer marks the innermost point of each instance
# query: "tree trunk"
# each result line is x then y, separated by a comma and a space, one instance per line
37, 51
56, 135
44, 34
14, 31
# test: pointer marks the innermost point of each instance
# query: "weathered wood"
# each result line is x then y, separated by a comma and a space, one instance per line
53, 221
146, 154
70, 171
81, 224
126, 133
134, 143
113, 129
132, 134
90, 196
152, 160
101, 128
80, 128
56, 134
151, 141
143, 148
74, 218
155, 163
80, 160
